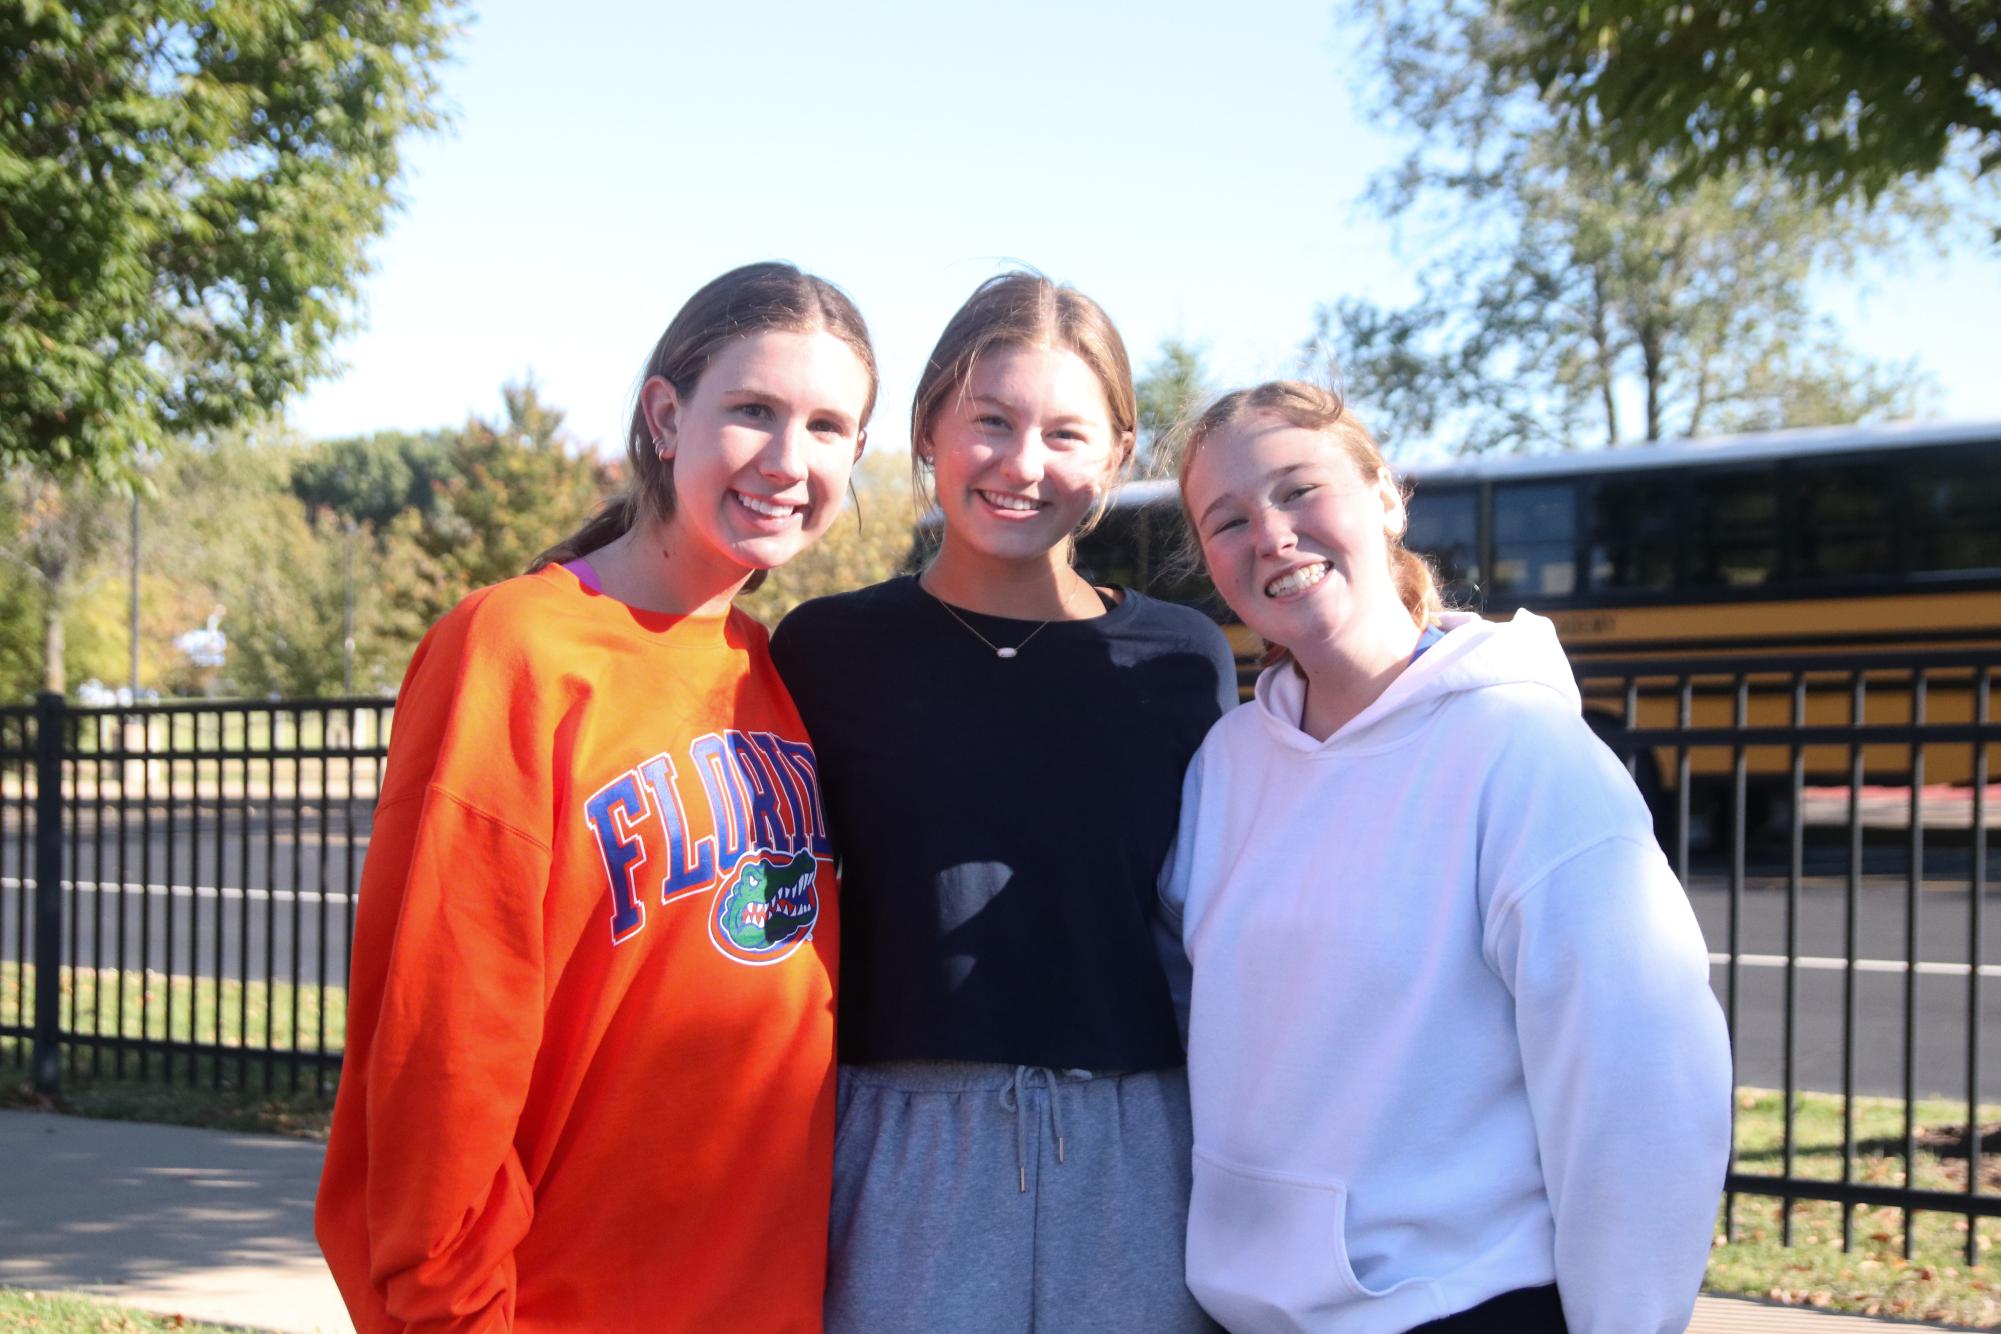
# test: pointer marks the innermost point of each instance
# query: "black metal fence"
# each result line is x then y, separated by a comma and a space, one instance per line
1829, 817
177, 887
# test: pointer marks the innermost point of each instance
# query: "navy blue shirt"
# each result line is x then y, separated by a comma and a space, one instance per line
1001, 823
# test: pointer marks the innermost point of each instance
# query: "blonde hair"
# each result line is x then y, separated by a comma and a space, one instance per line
1023, 310
754, 299
1310, 408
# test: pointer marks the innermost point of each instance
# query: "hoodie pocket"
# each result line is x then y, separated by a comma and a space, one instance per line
1268, 1251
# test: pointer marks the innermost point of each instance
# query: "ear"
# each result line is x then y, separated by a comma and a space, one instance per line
1395, 517
861, 443
661, 406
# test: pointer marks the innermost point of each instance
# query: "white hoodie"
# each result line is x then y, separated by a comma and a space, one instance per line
1451, 1030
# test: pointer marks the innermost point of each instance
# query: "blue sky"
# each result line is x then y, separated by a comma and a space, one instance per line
1196, 170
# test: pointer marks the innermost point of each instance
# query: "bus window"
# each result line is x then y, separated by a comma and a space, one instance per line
1633, 527
1445, 526
1535, 540
1844, 522
1733, 530
1117, 552
1954, 501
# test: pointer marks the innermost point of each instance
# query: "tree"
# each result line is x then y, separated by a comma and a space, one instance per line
508, 490
55, 535
1849, 97
373, 478
1172, 390
229, 533
1580, 302
186, 189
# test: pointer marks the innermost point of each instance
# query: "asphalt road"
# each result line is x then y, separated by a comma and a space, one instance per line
248, 895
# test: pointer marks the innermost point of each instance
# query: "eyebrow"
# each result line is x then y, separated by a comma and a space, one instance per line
1274, 475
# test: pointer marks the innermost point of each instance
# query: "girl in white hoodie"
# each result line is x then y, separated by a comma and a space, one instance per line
1455, 1061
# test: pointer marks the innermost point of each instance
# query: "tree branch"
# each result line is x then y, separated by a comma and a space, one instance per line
1985, 58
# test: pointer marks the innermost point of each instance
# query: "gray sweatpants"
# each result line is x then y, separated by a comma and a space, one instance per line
976, 1198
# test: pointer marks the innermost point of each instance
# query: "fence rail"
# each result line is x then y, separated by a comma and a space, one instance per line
177, 892
177, 886
1761, 772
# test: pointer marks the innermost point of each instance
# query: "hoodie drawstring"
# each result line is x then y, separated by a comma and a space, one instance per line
1011, 1098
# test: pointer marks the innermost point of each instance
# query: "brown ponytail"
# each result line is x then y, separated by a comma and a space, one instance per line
754, 299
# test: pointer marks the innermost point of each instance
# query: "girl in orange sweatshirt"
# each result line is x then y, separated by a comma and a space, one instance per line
588, 1080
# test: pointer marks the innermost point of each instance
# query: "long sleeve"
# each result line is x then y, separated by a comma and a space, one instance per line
1176, 874
424, 1199
1628, 1073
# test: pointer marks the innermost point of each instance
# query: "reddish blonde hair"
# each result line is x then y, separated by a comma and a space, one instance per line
1311, 408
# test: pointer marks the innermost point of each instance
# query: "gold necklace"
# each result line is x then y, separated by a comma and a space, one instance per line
1000, 650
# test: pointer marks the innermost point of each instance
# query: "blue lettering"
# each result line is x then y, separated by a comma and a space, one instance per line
612, 812
795, 805
800, 756
691, 864
767, 829
725, 788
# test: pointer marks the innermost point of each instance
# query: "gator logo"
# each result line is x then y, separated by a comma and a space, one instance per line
769, 907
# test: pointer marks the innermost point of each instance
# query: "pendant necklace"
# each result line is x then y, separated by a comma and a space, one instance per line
1002, 651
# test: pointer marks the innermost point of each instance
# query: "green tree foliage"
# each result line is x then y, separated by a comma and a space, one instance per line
371, 479
186, 189
226, 532
1578, 302
57, 534
1848, 97
507, 491
1174, 387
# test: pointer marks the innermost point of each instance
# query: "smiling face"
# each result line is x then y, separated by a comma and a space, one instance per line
761, 449
1021, 455
1296, 538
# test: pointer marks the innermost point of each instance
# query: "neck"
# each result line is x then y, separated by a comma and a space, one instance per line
1041, 589
645, 567
1346, 676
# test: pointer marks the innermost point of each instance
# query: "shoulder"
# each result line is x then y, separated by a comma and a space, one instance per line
1543, 766
840, 613
502, 624
843, 632
1175, 618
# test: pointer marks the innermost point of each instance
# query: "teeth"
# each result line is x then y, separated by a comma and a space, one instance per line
999, 501
770, 510
1295, 580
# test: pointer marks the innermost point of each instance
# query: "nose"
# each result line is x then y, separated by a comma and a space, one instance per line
1024, 458
1273, 531
783, 458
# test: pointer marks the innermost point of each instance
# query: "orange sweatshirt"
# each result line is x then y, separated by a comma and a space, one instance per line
589, 1071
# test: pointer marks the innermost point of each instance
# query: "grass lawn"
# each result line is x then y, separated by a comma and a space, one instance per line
1872, 1278
236, 1090
65, 1313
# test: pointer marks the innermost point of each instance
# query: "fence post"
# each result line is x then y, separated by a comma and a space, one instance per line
50, 711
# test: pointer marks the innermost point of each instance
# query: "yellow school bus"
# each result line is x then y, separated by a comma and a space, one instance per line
1804, 543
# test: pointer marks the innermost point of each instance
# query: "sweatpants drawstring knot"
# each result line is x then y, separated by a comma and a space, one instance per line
1011, 1096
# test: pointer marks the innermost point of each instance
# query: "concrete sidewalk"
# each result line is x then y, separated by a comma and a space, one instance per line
207, 1224
218, 1226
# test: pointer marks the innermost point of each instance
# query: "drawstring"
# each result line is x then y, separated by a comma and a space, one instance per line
1011, 1100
